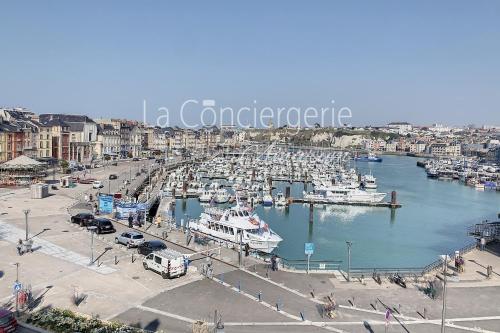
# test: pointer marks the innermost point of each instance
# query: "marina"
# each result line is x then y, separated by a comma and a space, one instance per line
433, 219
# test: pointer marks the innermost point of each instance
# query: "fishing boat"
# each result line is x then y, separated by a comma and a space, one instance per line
267, 200
369, 158
235, 224
280, 200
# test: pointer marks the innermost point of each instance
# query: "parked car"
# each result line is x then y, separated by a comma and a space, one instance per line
113, 176
86, 180
168, 263
97, 184
103, 225
151, 246
8, 322
114, 164
130, 238
135, 159
83, 219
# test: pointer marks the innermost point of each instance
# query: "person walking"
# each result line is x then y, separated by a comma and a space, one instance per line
19, 247
130, 220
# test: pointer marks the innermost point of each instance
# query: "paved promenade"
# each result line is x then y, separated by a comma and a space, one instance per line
116, 287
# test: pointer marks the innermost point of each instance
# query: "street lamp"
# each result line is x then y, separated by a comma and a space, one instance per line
26, 212
91, 229
349, 244
444, 258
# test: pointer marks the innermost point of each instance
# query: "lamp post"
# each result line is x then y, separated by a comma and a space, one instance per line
92, 228
349, 244
26, 212
443, 311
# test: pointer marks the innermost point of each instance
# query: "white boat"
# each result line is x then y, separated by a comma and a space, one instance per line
228, 224
280, 200
314, 197
369, 182
341, 194
267, 200
207, 195
221, 196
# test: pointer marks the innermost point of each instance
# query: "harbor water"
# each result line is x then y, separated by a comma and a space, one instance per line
432, 221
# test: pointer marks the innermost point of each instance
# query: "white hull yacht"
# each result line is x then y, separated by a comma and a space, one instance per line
228, 224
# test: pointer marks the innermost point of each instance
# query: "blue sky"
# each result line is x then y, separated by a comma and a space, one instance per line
420, 61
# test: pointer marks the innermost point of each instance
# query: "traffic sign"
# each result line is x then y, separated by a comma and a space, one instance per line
17, 286
309, 248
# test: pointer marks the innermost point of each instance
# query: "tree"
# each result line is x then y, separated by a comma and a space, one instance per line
64, 164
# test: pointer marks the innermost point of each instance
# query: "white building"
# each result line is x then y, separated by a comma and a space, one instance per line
400, 127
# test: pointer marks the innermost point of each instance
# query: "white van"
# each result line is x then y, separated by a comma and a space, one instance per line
97, 184
168, 263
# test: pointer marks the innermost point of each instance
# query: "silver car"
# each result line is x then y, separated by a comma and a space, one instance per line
130, 239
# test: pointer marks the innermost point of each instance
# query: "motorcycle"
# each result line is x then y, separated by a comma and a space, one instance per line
398, 279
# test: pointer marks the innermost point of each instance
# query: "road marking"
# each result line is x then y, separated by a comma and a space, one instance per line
282, 286
269, 306
13, 234
166, 314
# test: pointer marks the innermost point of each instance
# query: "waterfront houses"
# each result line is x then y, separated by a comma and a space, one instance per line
83, 140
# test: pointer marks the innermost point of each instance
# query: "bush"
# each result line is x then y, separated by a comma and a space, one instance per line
62, 321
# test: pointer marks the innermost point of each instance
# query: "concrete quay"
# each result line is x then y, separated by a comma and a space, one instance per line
289, 301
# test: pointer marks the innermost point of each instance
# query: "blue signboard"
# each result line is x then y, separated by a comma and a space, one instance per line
105, 204
309, 248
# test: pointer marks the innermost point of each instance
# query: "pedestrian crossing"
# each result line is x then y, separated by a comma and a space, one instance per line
12, 234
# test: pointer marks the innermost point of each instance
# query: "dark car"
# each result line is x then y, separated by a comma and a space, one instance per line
151, 246
8, 322
135, 159
103, 225
114, 164
83, 219
113, 176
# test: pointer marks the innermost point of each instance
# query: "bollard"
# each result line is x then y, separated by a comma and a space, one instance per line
393, 198
260, 295
239, 286
116, 260
222, 278
278, 305
376, 304
425, 313
132, 258
302, 316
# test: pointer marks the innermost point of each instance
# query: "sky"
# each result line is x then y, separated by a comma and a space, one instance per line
422, 61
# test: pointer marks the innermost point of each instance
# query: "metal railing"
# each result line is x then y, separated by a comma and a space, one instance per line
314, 265
438, 263
385, 272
